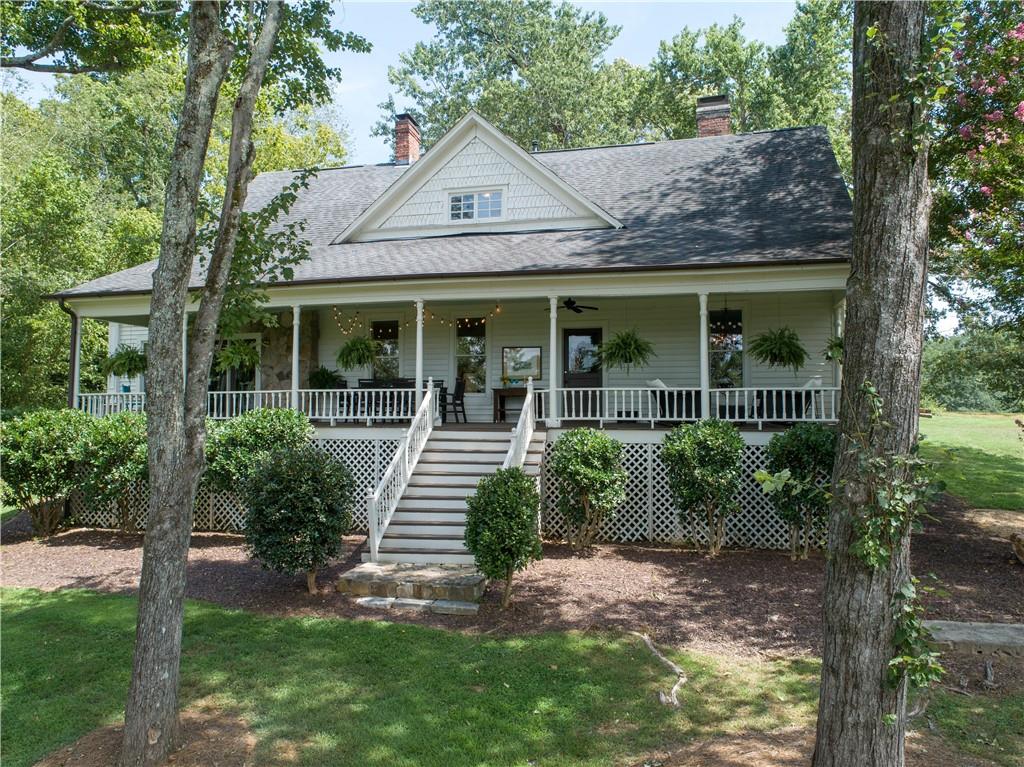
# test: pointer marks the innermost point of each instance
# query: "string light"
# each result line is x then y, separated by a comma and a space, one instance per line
350, 325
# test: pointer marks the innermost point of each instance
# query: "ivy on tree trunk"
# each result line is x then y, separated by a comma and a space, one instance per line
862, 713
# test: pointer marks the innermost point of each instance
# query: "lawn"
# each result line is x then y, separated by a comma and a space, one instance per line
366, 693
979, 456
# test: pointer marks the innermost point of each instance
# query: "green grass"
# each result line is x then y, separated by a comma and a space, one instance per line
372, 693
979, 456
987, 727
8, 512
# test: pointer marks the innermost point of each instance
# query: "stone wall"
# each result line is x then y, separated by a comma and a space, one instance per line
276, 355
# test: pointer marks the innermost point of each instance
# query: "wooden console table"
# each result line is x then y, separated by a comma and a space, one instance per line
500, 395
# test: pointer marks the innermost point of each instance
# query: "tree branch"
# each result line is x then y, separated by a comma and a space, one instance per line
25, 62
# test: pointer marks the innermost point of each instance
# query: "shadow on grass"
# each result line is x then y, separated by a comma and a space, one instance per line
339, 692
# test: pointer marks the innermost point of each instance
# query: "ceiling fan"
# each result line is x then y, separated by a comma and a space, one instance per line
572, 306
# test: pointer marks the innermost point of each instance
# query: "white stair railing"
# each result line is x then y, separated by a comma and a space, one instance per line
523, 432
382, 502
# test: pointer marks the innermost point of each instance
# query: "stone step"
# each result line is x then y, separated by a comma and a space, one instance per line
981, 638
432, 582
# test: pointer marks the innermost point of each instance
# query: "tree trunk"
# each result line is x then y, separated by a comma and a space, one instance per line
506, 597
884, 321
311, 581
151, 712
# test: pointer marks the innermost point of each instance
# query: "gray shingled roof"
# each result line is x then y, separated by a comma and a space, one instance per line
774, 197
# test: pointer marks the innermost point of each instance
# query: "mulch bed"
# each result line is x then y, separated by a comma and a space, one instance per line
742, 602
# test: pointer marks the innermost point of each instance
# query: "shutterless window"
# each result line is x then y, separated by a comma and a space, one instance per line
725, 348
471, 353
385, 333
474, 205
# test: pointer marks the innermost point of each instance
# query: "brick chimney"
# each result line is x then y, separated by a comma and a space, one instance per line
713, 116
407, 140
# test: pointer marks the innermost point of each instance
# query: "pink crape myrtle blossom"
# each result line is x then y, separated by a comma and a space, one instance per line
987, 191
961, 99
965, 131
1017, 33
1019, 112
994, 116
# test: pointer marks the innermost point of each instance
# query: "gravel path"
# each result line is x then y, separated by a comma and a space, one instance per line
742, 602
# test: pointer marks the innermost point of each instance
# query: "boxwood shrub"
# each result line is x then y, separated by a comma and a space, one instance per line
42, 452
236, 447
501, 525
114, 460
587, 467
703, 462
799, 465
299, 502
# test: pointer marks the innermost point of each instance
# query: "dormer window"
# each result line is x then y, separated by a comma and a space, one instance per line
467, 206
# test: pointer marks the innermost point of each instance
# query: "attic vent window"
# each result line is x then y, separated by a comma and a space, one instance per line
474, 205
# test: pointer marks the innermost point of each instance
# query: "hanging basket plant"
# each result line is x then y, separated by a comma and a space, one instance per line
126, 361
780, 348
626, 350
325, 378
358, 352
833, 350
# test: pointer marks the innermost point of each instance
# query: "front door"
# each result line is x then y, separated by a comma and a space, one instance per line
581, 369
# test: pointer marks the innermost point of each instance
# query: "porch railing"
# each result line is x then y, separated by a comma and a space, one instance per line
100, 405
382, 501
358, 404
230, 404
644, 404
523, 432
760, 404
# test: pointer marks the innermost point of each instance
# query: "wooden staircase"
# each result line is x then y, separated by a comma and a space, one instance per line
429, 523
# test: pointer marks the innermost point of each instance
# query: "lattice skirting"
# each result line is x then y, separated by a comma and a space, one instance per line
223, 512
649, 515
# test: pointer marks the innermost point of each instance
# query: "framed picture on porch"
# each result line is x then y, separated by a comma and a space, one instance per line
519, 363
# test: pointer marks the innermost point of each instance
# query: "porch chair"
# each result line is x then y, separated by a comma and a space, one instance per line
455, 402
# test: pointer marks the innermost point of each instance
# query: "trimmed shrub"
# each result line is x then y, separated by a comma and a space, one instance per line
587, 467
501, 525
703, 465
42, 451
299, 502
234, 448
114, 459
799, 466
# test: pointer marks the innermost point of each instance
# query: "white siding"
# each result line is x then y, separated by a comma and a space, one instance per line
477, 167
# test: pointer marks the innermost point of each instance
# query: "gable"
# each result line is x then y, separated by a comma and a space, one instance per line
477, 166
475, 157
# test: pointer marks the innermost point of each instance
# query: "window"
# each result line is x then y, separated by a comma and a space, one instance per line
385, 333
725, 349
471, 353
475, 205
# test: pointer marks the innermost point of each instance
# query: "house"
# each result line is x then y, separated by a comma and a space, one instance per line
491, 275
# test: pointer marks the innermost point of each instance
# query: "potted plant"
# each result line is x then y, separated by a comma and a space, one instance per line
358, 352
126, 362
626, 349
325, 378
780, 348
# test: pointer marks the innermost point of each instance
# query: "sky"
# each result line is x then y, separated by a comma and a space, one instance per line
392, 28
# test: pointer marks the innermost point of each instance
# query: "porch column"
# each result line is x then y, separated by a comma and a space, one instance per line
76, 360
114, 343
705, 372
419, 352
296, 320
553, 364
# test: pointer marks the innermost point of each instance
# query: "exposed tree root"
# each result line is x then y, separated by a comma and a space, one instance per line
670, 698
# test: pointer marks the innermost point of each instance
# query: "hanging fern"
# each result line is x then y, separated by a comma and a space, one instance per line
325, 378
780, 348
833, 350
358, 352
626, 349
126, 361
